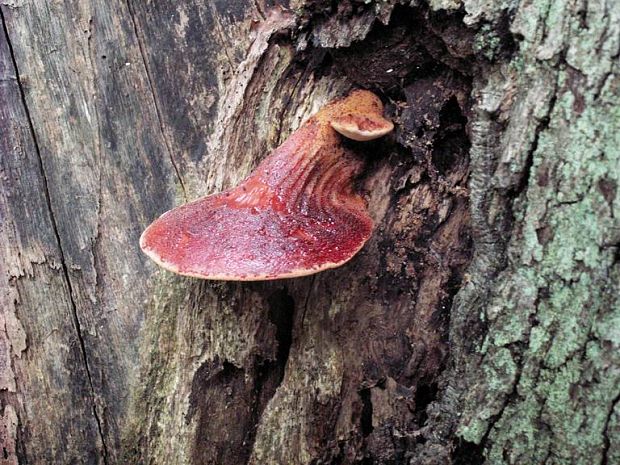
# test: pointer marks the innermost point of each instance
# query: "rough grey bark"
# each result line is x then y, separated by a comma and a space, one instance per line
480, 323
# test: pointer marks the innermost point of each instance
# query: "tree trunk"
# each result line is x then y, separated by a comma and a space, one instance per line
478, 325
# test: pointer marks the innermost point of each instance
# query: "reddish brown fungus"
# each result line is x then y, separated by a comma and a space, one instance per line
295, 215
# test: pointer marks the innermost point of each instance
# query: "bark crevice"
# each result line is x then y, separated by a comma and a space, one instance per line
606, 438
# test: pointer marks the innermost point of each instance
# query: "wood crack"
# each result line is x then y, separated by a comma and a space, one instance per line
259, 9
542, 125
65, 271
606, 440
307, 300
217, 27
155, 104
97, 235
287, 105
509, 398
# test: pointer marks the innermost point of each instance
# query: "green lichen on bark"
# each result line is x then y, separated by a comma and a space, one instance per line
549, 363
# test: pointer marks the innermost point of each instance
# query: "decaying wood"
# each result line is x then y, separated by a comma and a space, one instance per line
480, 320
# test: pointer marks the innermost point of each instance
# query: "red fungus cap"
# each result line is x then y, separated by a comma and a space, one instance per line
295, 215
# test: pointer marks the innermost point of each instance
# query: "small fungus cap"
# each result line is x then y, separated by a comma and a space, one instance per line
295, 215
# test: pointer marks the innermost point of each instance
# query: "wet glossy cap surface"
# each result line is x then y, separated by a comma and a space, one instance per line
297, 214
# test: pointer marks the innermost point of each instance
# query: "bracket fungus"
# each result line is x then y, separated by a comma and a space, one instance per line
295, 215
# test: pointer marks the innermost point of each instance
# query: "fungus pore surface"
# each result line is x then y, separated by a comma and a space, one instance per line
296, 214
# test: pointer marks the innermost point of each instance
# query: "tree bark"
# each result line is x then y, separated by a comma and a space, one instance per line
478, 325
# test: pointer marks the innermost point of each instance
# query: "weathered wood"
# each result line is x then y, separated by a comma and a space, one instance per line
104, 170
45, 394
479, 321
